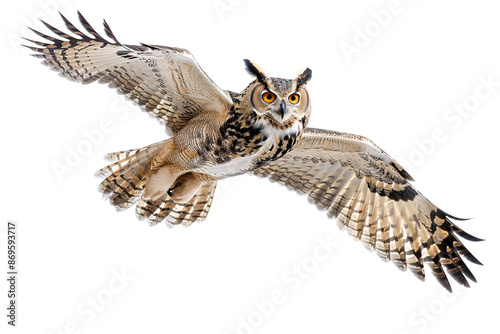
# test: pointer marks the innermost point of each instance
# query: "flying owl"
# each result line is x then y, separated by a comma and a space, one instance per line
215, 134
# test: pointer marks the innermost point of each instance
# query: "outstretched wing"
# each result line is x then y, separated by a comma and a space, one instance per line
369, 193
167, 82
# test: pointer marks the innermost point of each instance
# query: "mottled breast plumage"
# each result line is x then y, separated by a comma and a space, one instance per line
250, 141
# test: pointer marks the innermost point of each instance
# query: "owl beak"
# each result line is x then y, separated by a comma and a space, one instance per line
282, 109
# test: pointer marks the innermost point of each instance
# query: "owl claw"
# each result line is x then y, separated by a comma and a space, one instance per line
186, 187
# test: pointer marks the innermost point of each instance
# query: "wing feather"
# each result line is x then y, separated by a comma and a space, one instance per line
166, 82
370, 195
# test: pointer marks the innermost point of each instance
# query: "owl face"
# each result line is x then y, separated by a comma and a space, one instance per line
282, 102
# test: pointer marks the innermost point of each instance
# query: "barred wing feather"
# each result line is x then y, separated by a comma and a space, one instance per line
370, 195
167, 82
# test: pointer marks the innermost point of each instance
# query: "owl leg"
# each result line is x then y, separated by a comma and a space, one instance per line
160, 182
187, 185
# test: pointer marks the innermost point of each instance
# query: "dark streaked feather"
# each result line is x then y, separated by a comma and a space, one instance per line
369, 193
162, 80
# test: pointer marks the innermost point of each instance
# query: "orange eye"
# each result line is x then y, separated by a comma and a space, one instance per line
294, 98
268, 97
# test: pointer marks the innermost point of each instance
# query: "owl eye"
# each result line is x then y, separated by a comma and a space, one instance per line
294, 98
268, 97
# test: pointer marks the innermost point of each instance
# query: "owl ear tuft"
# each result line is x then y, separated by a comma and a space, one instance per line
255, 70
304, 77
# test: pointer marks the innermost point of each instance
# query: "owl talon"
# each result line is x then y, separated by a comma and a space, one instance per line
186, 187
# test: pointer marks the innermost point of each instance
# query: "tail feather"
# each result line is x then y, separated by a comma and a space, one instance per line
125, 179
123, 159
117, 156
194, 210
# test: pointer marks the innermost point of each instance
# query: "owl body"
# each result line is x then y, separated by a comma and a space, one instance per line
263, 131
250, 150
249, 141
246, 136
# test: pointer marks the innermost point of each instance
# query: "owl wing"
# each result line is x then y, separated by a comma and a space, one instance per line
167, 82
369, 194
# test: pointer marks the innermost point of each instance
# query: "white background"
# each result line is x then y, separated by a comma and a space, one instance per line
208, 278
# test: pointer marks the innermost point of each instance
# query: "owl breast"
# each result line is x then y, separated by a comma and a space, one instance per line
254, 148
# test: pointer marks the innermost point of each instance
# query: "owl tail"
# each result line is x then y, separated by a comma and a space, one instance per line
125, 180
194, 210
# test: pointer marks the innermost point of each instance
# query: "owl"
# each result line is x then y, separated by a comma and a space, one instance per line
215, 134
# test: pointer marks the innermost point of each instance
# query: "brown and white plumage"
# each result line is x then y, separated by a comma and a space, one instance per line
370, 195
167, 82
262, 130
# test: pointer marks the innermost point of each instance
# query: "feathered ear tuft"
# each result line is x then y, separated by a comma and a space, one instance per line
304, 77
254, 69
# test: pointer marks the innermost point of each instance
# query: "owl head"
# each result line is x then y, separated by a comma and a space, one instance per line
282, 102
